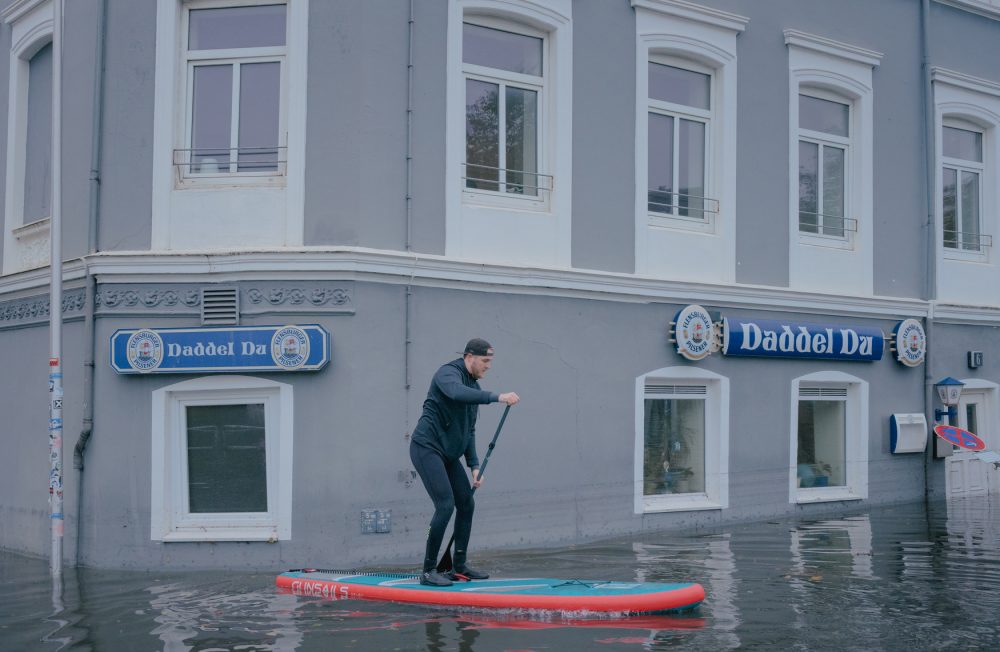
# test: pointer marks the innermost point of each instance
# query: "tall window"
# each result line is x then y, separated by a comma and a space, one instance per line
961, 182
38, 142
504, 86
235, 59
674, 450
828, 446
822, 442
222, 460
824, 150
679, 119
681, 440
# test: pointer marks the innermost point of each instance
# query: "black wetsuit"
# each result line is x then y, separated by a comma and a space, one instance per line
444, 434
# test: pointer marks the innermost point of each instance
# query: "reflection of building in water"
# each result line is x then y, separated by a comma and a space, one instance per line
191, 619
973, 525
713, 559
819, 544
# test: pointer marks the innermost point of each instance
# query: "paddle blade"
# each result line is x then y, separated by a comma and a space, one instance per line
446, 564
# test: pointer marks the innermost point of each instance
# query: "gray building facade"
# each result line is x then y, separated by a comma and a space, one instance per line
612, 192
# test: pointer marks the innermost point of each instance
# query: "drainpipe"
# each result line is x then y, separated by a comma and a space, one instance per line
930, 234
91, 282
409, 200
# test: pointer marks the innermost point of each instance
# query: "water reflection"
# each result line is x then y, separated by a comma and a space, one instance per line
900, 577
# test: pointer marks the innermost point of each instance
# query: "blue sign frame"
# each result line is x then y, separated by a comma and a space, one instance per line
766, 338
198, 350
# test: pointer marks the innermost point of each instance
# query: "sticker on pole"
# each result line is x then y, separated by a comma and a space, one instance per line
961, 438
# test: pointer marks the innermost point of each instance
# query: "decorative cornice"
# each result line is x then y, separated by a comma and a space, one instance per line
830, 47
695, 12
336, 299
294, 266
964, 81
18, 8
988, 8
118, 298
20, 312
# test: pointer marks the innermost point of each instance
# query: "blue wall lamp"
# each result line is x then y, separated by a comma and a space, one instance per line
949, 391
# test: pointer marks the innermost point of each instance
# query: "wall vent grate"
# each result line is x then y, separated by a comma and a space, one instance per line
220, 307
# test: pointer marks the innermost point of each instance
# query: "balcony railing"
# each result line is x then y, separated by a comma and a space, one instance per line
228, 161
519, 182
826, 224
967, 240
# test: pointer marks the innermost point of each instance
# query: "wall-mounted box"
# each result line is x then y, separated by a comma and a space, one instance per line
907, 433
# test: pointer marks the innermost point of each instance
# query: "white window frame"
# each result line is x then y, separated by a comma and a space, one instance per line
856, 438
170, 519
823, 140
226, 210
962, 99
25, 246
191, 59
959, 166
716, 397
505, 78
499, 226
822, 67
703, 40
679, 112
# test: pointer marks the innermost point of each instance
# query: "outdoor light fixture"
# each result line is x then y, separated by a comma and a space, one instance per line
949, 391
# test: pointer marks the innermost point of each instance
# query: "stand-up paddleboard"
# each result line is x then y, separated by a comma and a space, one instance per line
523, 593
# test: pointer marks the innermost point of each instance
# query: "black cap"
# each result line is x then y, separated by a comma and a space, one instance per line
478, 346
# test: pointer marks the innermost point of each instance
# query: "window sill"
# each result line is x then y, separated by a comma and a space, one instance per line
504, 201
678, 503
826, 241
826, 495
218, 533
229, 182
686, 224
958, 256
38, 228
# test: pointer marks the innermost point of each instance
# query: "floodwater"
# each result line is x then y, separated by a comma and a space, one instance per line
892, 578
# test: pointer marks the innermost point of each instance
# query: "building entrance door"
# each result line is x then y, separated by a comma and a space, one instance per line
965, 474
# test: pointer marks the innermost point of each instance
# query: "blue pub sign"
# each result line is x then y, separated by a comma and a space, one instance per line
198, 350
779, 339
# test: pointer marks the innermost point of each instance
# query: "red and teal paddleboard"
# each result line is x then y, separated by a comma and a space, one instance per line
523, 593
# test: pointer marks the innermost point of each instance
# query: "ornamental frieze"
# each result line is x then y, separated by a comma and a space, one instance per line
37, 308
148, 298
338, 297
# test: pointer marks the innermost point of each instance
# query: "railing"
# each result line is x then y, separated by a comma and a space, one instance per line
676, 203
967, 240
501, 182
227, 161
827, 224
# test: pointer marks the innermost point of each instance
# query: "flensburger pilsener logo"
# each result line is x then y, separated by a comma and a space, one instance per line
777, 339
290, 347
910, 342
694, 332
144, 350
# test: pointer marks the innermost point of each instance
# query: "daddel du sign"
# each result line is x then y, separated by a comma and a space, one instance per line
765, 338
195, 350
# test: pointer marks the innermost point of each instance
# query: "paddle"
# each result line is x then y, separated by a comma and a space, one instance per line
445, 564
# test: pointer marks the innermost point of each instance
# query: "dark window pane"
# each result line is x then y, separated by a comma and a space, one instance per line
949, 187
522, 137
822, 444
691, 169
38, 143
260, 102
833, 191
661, 163
679, 86
970, 211
211, 118
482, 135
823, 115
962, 143
237, 27
227, 469
496, 48
808, 187
674, 446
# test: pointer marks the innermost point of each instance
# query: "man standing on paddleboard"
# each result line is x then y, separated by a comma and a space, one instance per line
444, 434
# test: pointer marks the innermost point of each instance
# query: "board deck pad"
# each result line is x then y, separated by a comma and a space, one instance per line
511, 593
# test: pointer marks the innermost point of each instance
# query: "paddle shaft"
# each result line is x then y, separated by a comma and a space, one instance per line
445, 564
